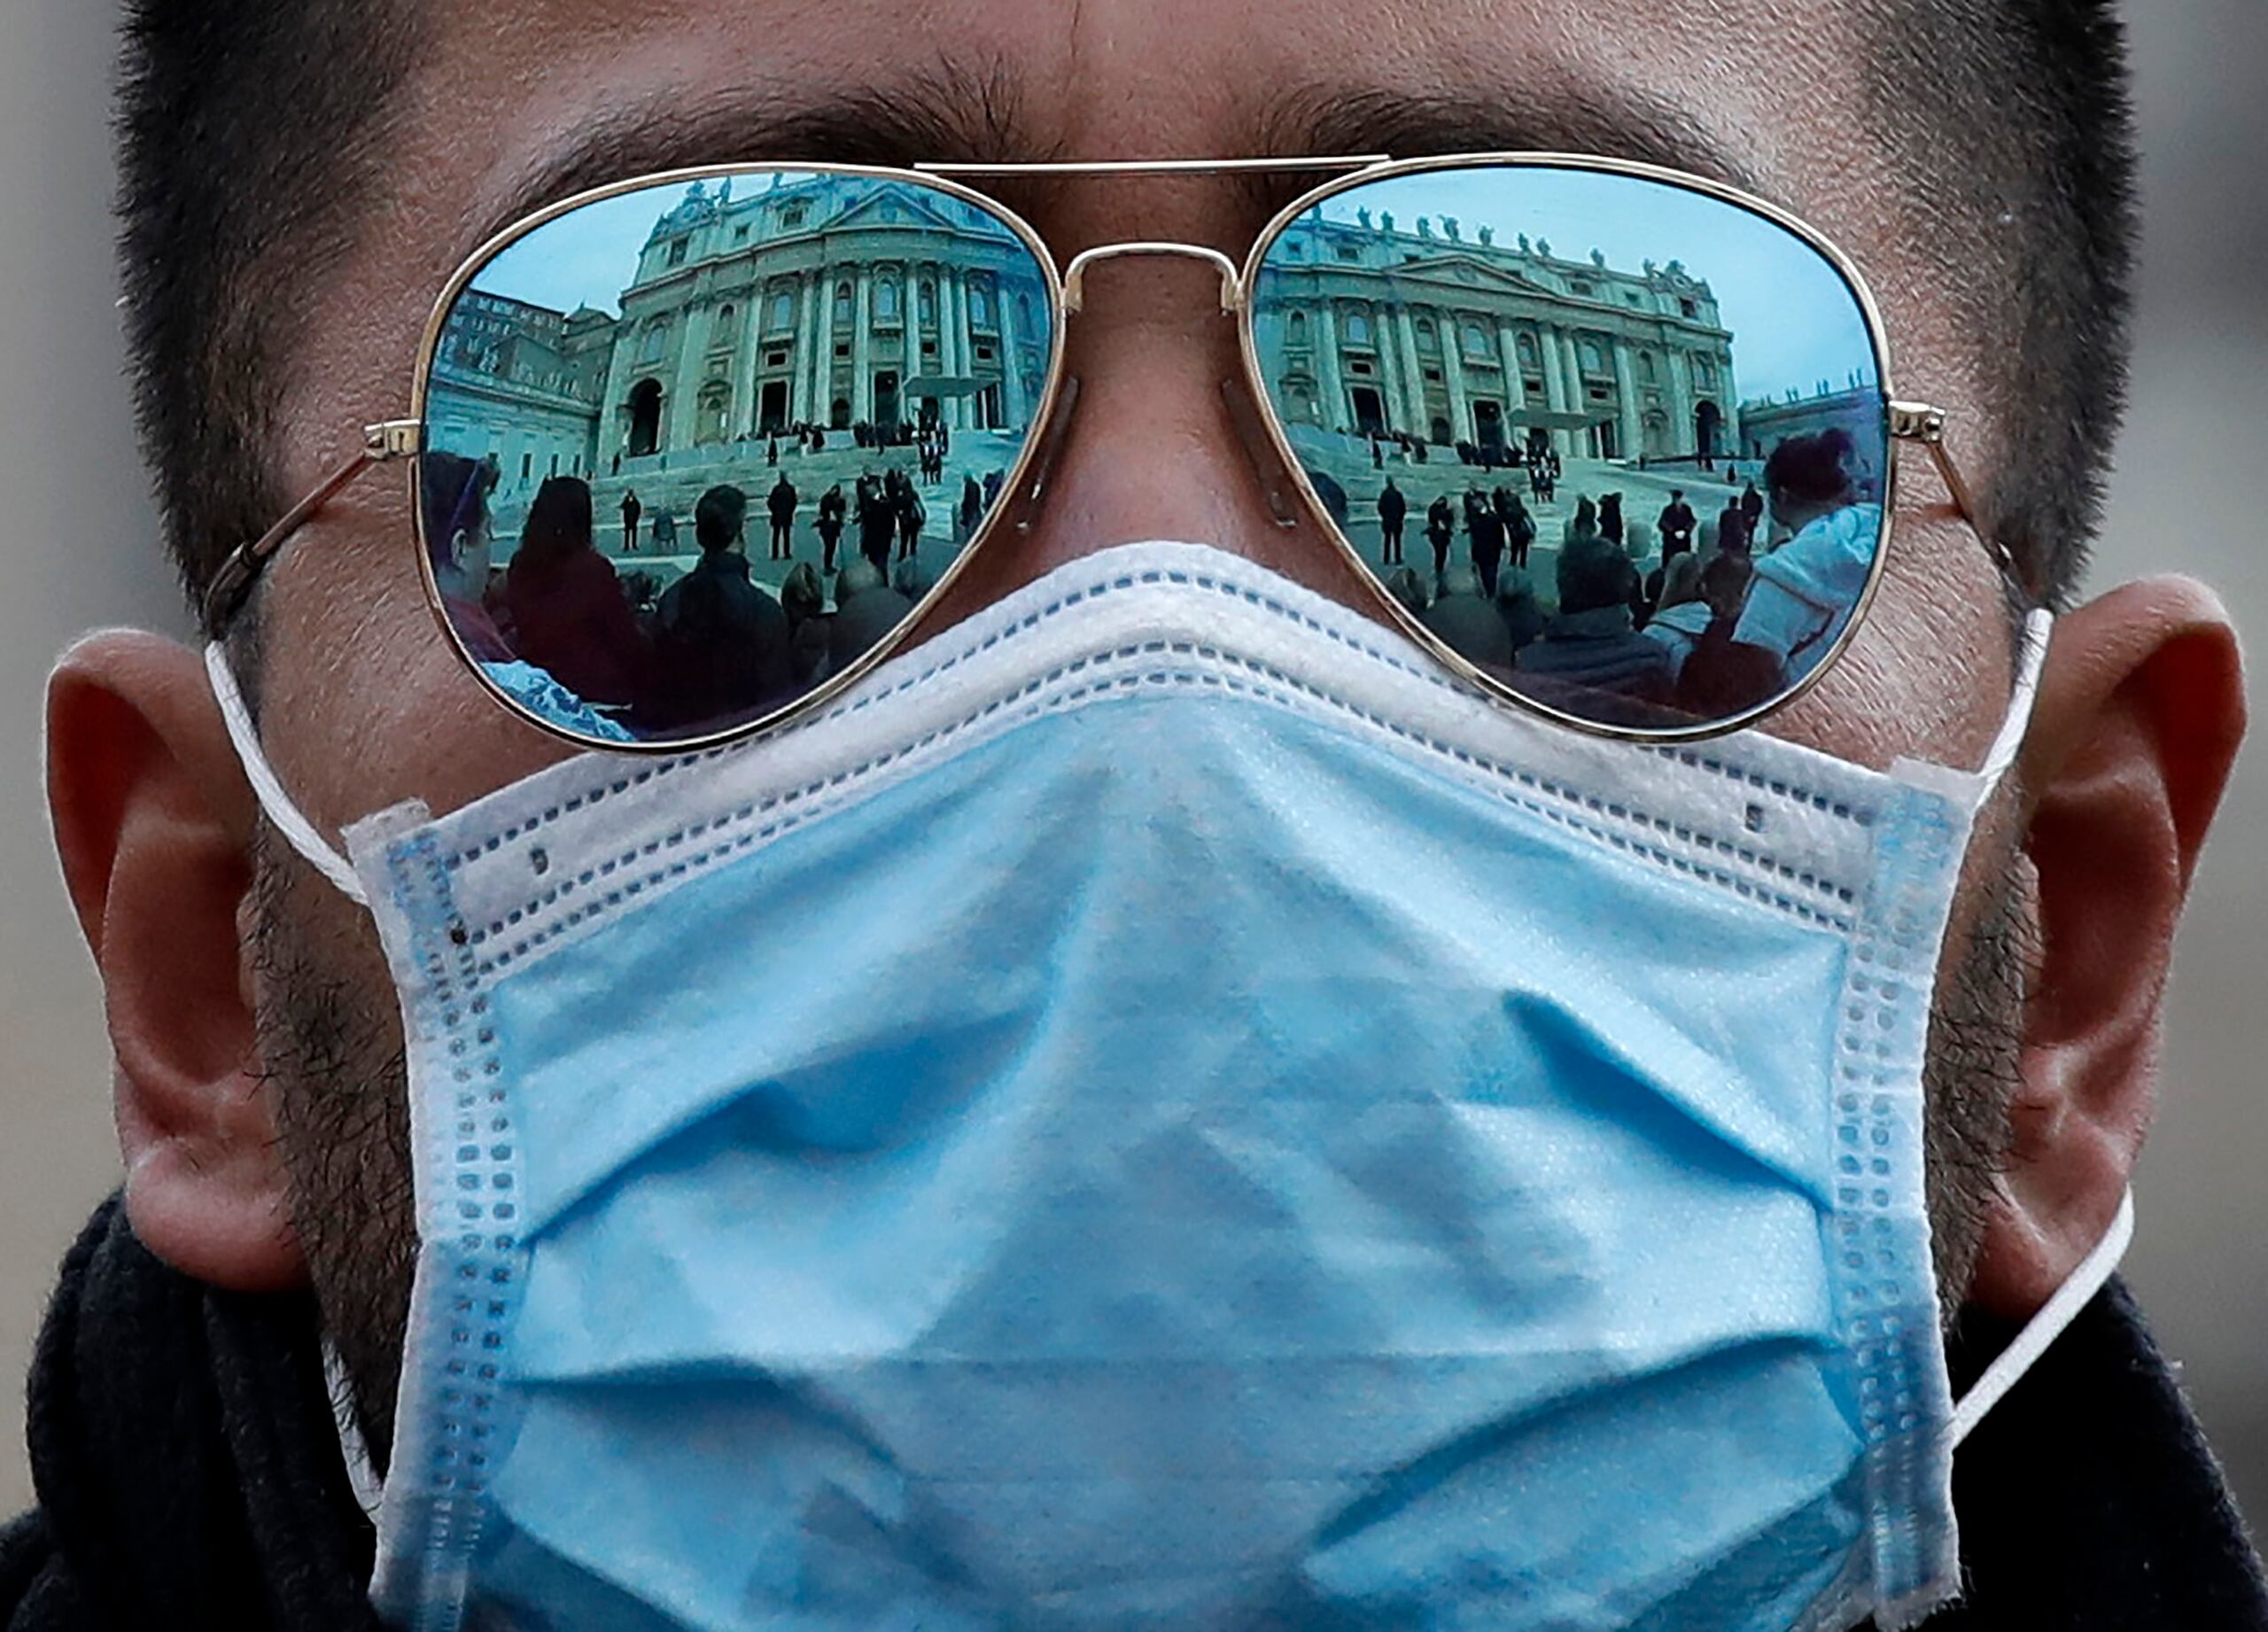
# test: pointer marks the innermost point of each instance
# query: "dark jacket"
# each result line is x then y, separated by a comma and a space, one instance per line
1599, 648
720, 644
1471, 628
570, 618
189, 1477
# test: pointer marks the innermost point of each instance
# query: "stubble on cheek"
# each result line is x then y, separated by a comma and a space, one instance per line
1970, 1076
332, 1054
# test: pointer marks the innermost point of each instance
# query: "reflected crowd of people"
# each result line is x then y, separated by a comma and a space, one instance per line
1737, 607
618, 649
1735, 610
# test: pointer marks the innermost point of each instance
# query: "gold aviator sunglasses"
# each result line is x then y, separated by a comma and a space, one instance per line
1649, 473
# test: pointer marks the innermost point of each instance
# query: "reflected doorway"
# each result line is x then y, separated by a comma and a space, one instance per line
1488, 431
645, 418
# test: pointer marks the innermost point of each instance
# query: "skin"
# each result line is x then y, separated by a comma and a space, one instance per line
214, 958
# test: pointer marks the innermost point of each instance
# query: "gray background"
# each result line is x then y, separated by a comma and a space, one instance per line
2187, 498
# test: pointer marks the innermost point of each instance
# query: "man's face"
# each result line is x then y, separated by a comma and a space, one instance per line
364, 706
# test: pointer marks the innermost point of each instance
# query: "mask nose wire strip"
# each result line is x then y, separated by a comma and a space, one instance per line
2038, 625
281, 813
2045, 1327
300, 833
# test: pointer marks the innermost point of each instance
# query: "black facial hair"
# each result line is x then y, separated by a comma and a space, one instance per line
332, 1053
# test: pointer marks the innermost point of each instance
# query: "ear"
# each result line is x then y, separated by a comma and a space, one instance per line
154, 822
2141, 711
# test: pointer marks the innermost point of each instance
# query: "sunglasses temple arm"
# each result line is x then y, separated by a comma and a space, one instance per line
1914, 421
232, 585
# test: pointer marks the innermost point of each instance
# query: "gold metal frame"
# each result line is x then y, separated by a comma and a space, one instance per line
1902, 421
834, 684
392, 441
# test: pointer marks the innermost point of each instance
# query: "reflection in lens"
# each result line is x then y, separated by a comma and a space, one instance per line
1641, 471
693, 449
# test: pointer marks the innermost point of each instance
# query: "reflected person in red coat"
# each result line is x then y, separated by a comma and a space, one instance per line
567, 606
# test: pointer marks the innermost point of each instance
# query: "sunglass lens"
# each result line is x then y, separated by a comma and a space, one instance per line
693, 449
1620, 443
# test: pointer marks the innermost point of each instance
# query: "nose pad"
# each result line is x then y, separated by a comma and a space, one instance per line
1267, 462
1155, 388
1244, 414
1074, 275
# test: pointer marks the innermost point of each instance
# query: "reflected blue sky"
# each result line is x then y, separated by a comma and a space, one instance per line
589, 256
1794, 321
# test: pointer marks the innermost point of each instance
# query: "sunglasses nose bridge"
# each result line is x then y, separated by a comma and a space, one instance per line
1074, 275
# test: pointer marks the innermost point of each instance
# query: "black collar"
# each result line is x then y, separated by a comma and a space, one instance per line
2088, 1498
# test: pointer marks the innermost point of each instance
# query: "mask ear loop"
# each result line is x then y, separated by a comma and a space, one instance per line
2096, 1268
2078, 1290
2031, 657
281, 813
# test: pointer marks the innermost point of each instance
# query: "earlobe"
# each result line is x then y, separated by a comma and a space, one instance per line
2140, 711
153, 824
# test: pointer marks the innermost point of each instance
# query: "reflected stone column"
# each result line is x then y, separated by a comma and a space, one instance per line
1629, 432
909, 344
799, 360
972, 416
1414, 371
1012, 374
614, 401
1451, 329
1392, 403
1578, 441
1328, 379
1682, 438
741, 414
685, 409
823, 351
1508, 350
1555, 384
862, 354
952, 341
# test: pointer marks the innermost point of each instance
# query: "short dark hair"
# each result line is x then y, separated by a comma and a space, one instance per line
2014, 122
720, 515
1594, 572
558, 522
250, 128
452, 492
1811, 469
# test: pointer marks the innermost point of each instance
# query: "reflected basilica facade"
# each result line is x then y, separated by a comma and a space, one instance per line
830, 300
1368, 328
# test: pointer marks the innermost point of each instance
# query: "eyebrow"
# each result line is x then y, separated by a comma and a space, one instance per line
955, 111
1612, 120
971, 112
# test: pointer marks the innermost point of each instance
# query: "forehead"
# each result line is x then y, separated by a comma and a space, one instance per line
529, 99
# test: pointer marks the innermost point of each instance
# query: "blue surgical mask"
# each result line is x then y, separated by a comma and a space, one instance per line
1160, 1111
